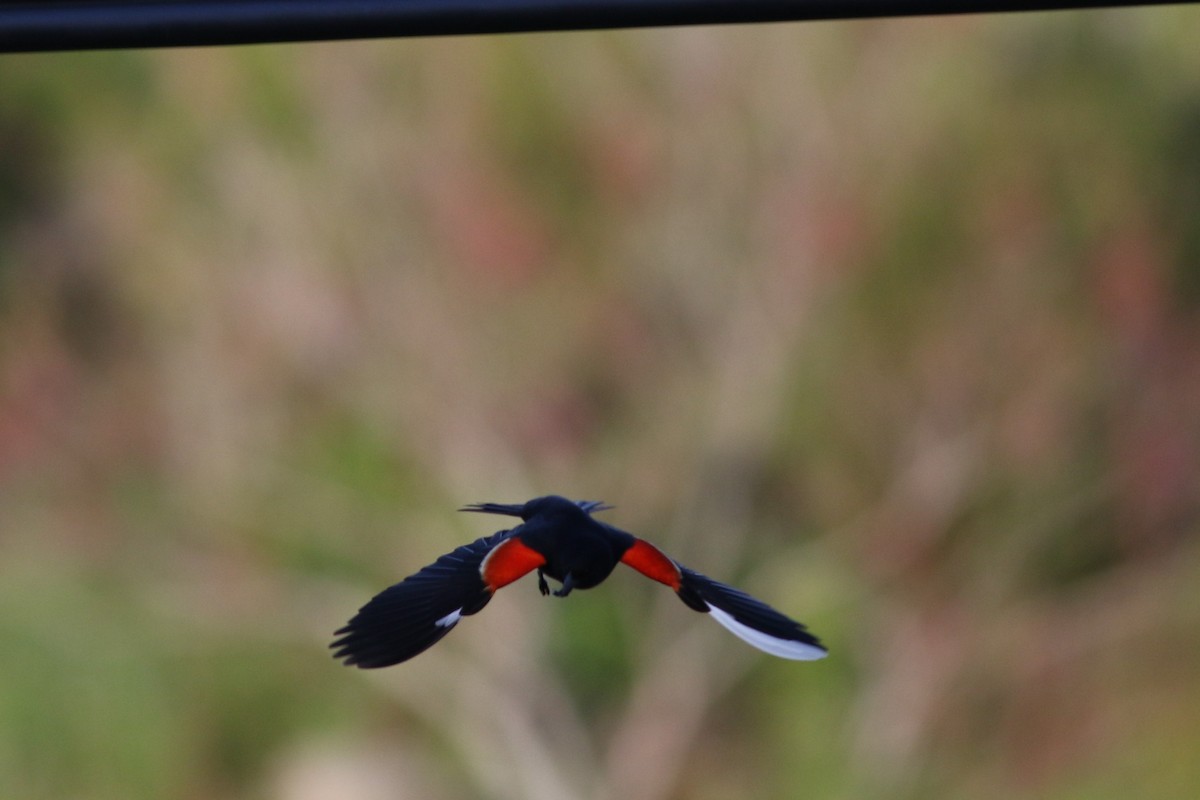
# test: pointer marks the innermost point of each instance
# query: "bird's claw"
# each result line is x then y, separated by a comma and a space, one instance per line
543, 587
567, 585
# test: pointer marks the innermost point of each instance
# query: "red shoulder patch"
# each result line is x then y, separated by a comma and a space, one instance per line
653, 563
507, 561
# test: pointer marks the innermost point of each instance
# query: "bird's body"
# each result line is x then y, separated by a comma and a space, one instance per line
572, 543
561, 540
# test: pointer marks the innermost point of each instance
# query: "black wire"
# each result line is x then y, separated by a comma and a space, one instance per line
95, 24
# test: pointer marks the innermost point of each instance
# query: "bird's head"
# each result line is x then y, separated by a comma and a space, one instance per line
539, 506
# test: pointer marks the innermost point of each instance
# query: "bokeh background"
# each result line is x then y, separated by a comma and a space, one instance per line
895, 324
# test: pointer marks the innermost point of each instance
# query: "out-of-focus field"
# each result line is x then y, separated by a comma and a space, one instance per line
894, 324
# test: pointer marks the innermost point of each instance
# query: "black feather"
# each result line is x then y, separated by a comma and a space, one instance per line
401, 621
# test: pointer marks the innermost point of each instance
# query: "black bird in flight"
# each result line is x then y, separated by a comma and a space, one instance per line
560, 539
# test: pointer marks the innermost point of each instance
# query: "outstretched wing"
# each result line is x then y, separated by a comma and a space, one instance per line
411, 616
748, 618
752, 620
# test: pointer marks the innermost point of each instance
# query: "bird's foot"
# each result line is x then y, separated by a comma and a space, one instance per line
543, 587
567, 585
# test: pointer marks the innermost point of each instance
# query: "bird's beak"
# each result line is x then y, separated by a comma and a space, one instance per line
495, 508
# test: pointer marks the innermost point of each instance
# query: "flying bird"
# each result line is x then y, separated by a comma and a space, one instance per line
561, 540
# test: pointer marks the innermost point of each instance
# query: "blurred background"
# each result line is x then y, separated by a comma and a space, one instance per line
895, 324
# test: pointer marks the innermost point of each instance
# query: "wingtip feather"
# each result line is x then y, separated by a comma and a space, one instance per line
809, 649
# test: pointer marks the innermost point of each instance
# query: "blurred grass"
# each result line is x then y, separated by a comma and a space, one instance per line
892, 323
